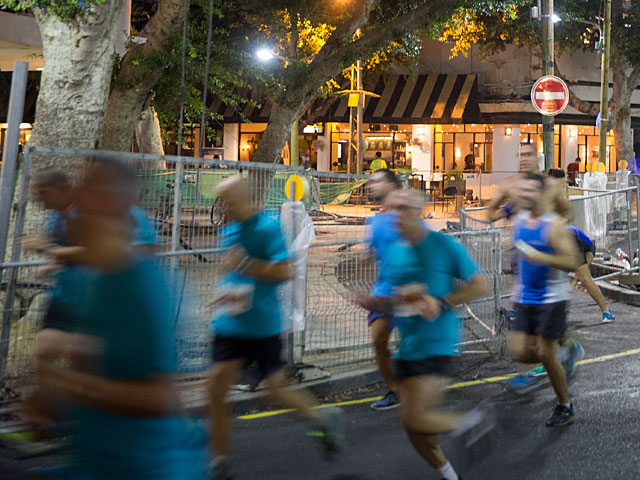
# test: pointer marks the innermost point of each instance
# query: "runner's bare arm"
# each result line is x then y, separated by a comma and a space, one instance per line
265, 271
470, 290
151, 397
494, 209
565, 256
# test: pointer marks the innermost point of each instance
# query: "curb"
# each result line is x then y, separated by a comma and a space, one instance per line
619, 294
243, 402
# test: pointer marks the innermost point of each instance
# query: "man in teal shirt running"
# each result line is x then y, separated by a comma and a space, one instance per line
424, 265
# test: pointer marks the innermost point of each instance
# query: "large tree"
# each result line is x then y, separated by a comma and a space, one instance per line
496, 24
137, 74
358, 29
78, 41
318, 42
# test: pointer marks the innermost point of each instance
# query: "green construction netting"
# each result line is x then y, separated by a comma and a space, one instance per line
156, 187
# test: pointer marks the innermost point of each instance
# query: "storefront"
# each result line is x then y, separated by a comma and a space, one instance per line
25, 135
400, 122
431, 124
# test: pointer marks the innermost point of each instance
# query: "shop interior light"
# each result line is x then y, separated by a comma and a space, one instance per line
420, 130
25, 126
573, 132
508, 131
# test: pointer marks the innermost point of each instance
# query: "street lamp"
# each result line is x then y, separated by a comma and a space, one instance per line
264, 54
599, 43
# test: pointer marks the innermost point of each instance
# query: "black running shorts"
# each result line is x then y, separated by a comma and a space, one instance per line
426, 366
547, 320
264, 351
583, 249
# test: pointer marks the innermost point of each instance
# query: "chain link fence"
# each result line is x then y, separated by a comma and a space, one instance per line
178, 195
610, 218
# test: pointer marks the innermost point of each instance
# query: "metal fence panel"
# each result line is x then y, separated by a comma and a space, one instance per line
178, 195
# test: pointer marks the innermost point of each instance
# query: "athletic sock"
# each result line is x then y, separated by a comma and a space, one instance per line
564, 351
568, 405
447, 472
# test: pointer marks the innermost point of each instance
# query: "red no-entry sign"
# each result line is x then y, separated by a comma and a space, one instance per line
550, 95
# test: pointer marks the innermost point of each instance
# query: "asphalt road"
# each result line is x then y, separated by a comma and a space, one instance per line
602, 444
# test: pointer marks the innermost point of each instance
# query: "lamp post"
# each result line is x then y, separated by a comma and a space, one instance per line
548, 122
604, 83
356, 98
603, 46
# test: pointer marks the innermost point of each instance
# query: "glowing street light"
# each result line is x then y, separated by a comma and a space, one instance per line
264, 55
555, 18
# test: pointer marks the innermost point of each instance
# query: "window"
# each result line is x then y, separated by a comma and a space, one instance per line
463, 147
589, 146
532, 133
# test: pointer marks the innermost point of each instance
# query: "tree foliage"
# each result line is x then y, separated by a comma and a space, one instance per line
494, 25
294, 31
63, 9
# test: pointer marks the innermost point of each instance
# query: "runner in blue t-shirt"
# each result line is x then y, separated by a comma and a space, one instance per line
120, 357
382, 233
423, 266
247, 326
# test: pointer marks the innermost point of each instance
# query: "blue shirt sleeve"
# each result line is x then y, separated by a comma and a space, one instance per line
50, 224
580, 234
465, 267
276, 250
368, 231
143, 233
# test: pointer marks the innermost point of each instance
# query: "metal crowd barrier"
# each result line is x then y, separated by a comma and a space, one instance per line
178, 194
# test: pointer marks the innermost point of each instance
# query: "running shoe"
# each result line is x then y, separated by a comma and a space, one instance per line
608, 317
576, 353
562, 415
523, 384
477, 423
389, 401
538, 371
219, 470
331, 431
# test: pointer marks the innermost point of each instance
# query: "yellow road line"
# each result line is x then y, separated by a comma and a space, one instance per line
471, 383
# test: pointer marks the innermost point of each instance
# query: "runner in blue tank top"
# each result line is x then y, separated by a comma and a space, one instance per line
546, 251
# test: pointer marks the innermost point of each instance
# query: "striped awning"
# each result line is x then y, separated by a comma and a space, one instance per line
403, 99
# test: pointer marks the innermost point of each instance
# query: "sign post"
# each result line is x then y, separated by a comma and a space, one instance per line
550, 96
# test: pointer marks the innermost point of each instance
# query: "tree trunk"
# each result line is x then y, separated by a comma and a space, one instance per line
148, 133
277, 132
149, 137
138, 75
621, 102
78, 60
